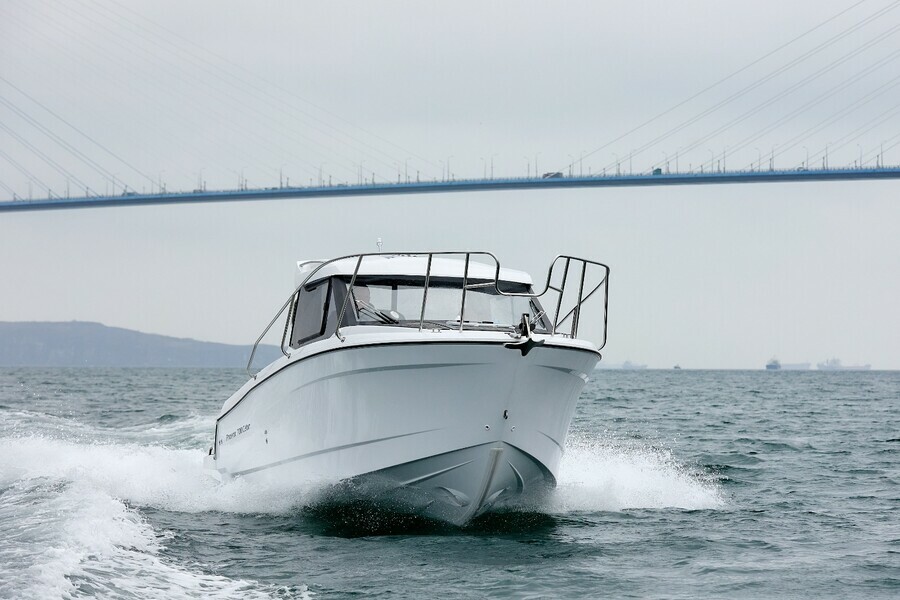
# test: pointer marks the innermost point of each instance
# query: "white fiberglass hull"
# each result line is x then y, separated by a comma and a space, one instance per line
453, 423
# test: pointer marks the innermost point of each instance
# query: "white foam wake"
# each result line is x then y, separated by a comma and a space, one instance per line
595, 474
71, 531
66, 503
599, 474
79, 541
152, 476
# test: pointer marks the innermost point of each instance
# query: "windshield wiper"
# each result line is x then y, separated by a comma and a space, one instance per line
370, 310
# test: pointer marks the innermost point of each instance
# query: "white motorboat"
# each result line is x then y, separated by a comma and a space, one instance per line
434, 382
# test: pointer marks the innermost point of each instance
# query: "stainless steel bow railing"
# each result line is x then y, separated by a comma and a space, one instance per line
574, 313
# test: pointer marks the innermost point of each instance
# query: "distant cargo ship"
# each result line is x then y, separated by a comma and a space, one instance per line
834, 364
773, 365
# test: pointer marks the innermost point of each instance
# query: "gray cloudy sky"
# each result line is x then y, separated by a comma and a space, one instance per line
716, 276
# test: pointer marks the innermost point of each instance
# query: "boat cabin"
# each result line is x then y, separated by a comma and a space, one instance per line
407, 291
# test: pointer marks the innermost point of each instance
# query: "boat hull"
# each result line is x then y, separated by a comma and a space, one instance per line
443, 429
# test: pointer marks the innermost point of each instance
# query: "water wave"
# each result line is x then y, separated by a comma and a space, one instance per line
151, 476
76, 533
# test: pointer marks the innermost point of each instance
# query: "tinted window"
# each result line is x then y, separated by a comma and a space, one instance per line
311, 315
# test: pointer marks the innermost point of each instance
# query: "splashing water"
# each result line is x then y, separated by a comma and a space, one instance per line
611, 475
76, 534
151, 476
595, 474
73, 540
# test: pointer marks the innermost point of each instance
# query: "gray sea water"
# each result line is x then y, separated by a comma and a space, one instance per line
675, 484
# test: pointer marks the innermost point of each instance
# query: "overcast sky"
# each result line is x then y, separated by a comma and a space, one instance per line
213, 93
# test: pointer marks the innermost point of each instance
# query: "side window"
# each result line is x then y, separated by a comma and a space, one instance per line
311, 316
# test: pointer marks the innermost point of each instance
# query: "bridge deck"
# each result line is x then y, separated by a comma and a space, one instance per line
462, 185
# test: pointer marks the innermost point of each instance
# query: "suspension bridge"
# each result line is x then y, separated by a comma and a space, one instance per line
549, 181
812, 97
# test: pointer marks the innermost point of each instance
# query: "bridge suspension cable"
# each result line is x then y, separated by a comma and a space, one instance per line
60, 141
783, 93
167, 53
55, 165
177, 64
881, 118
800, 110
31, 177
71, 126
88, 66
880, 150
142, 55
275, 85
754, 85
227, 78
850, 137
8, 189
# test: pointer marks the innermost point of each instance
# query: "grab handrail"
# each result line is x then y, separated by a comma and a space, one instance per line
575, 312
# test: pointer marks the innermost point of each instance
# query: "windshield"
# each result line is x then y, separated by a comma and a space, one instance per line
398, 301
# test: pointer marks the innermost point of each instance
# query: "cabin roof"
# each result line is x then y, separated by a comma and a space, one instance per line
400, 264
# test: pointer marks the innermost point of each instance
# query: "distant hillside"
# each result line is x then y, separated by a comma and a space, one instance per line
81, 344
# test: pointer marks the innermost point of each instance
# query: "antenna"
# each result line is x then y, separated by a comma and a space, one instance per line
379, 243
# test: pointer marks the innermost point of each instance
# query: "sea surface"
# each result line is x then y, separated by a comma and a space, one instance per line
675, 484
